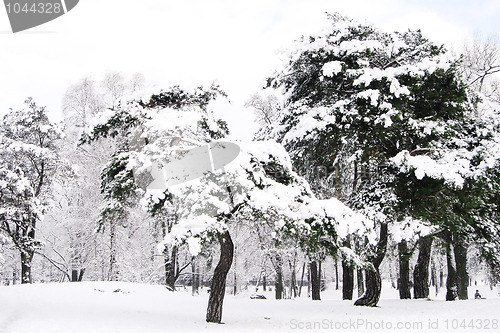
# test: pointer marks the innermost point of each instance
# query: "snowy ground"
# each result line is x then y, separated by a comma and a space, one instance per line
93, 307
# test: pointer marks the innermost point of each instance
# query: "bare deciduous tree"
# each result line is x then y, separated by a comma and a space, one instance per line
81, 102
266, 108
481, 66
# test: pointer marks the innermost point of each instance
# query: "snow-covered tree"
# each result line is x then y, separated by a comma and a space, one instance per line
146, 133
379, 117
69, 235
30, 162
481, 66
266, 108
82, 248
258, 185
81, 102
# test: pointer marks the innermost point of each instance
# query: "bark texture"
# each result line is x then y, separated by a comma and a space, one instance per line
347, 280
218, 286
347, 274
315, 281
421, 272
26, 259
404, 270
373, 282
361, 283
170, 263
278, 284
373, 289
451, 280
460, 251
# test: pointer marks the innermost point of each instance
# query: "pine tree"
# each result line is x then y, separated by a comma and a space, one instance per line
379, 119
143, 130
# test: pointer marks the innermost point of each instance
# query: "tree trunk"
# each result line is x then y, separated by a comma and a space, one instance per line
170, 263
460, 251
278, 284
347, 280
373, 288
264, 283
74, 275
302, 278
361, 282
404, 270
347, 274
308, 280
27, 253
320, 277
80, 276
373, 281
77, 274
113, 272
421, 272
451, 280
218, 286
26, 259
434, 281
195, 278
315, 281
293, 281
235, 273
336, 273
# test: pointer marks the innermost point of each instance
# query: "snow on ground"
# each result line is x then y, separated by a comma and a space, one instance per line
95, 307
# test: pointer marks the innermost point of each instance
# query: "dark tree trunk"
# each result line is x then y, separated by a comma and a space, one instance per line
293, 281
26, 259
404, 270
80, 276
361, 283
451, 280
170, 263
373, 281
336, 273
320, 277
218, 286
278, 284
347, 274
195, 278
373, 288
27, 254
421, 272
460, 251
264, 283
235, 274
77, 275
347, 280
315, 281
74, 275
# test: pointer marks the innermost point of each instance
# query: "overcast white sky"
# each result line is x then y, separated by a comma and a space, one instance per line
194, 42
